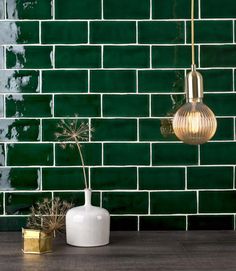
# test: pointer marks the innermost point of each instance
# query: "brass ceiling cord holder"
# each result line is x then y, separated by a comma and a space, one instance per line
194, 123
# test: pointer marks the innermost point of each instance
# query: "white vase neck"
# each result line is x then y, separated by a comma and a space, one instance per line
87, 197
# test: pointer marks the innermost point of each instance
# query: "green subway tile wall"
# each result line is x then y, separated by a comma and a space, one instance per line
120, 66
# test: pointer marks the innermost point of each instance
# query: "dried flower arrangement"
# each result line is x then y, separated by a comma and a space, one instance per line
71, 131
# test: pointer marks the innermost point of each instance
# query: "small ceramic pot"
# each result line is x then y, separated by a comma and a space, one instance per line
87, 225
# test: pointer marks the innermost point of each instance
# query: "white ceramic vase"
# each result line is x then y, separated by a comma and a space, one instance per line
87, 225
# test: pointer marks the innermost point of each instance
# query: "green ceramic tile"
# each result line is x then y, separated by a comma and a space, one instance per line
218, 9
19, 130
12, 223
77, 198
125, 105
173, 202
64, 81
174, 154
78, 57
1, 203
107, 81
123, 223
218, 153
210, 177
172, 9
126, 154
211, 31
29, 154
114, 129
82, 105
166, 105
217, 80
28, 106
20, 203
126, 57
19, 32
28, 57
62, 179
160, 81
161, 32
64, 32
162, 223
19, 81
20, 179
2, 155
172, 56
217, 104
218, 55
74, 9
113, 178
211, 222
161, 178
225, 129
70, 156
217, 202
122, 9
29, 9
119, 32
125, 202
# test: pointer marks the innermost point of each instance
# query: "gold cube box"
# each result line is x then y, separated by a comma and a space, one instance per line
36, 241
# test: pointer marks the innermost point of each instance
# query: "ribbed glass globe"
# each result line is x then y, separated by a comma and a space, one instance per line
194, 123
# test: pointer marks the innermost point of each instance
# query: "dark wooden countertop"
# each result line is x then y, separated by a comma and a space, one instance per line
191, 251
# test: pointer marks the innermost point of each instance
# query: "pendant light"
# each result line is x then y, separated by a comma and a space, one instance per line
194, 123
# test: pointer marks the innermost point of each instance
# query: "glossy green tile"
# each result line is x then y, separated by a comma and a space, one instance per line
174, 154
64, 32
1, 203
78, 57
28, 57
210, 177
92, 153
125, 105
173, 202
29, 154
122, 9
2, 155
107, 81
218, 153
211, 222
119, 32
83, 105
172, 9
19, 32
211, 31
62, 178
125, 202
218, 55
126, 154
12, 223
19, 130
225, 129
74, 9
161, 32
20, 178
56, 81
126, 57
161, 178
217, 80
28, 106
114, 129
19, 81
160, 81
162, 223
20, 203
217, 201
218, 9
172, 56
113, 178
29, 9
124, 223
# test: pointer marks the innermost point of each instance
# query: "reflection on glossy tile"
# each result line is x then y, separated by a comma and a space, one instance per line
19, 81
1, 106
2, 10
2, 155
1, 57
